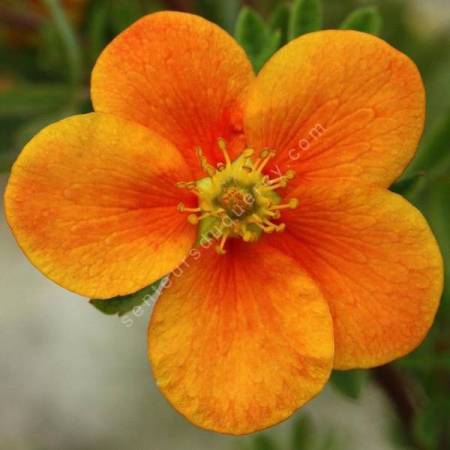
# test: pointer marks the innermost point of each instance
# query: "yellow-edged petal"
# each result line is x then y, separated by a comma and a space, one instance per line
338, 104
239, 342
92, 202
377, 263
181, 76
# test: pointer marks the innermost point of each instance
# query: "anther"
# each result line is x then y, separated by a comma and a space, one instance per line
290, 174
248, 236
193, 219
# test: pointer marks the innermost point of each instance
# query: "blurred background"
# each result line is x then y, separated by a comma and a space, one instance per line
74, 378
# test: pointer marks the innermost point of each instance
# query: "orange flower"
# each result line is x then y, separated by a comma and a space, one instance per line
316, 265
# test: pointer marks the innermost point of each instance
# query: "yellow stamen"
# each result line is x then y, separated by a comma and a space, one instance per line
194, 219
190, 185
266, 228
273, 187
289, 175
239, 195
246, 155
204, 164
250, 237
220, 248
263, 154
269, 223
268, 156
273, 214
183, 208
223, 147
292, 204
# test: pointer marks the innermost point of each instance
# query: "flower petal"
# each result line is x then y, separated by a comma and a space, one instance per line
239, 342
338, 104
377, 263
178, 74
92, 203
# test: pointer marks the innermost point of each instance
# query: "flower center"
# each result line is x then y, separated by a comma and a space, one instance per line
237, 199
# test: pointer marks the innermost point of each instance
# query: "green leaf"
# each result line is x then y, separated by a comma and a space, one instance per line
50, 58
366, 19
31, 100
306, 17
97, 28
432, 422
255, 37
68, 38
410, 185
439, 217
349, 383
332, 441
434, 156
272, 45
302, 434
280, 22
263, 442
123, 304
124, 13
251, 32
7, 160
222, 12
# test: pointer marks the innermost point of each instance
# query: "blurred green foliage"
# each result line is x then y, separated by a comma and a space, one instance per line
48, 48
258, 39
303, 435
306, 16
365, 19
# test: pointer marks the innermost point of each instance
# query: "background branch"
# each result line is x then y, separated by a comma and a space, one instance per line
403, 397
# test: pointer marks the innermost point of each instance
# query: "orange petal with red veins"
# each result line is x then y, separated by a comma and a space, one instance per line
179, 75
239, 342
338, 104
92, 203
377, 263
